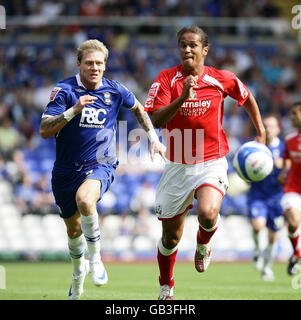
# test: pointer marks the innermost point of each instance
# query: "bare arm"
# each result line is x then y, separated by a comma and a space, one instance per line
145, 122
142, 117
51, 125
161, 116
254, 113
282, 175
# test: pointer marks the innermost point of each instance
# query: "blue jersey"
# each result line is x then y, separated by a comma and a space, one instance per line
91, 135
269, 188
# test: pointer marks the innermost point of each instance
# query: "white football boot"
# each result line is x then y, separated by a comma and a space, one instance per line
202, 257
99, 273
257, 261
267, 274
77, 285
166, 293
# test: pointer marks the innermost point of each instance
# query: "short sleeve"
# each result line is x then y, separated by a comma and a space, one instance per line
282, 149
128, 98
235, 88
286, 152
159, 94
57, 103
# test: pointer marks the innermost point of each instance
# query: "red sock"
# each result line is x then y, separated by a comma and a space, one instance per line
166, 264
204, 235
294, 238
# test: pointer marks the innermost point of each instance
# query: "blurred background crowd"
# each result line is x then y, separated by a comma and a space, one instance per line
38, 49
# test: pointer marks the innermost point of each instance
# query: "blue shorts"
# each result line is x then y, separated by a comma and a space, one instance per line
271, 211
66, 181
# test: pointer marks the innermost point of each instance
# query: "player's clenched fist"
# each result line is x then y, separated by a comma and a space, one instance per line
188, 84
82, 102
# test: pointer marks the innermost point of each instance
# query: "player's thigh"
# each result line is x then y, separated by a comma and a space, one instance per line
73, 225
257, 212
258, 223
275, 219
88, 192
209, 201
293, 216
291, 205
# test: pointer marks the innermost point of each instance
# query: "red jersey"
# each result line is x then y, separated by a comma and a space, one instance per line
195, 133
292, 151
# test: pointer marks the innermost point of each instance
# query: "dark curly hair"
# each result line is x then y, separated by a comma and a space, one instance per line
194, 29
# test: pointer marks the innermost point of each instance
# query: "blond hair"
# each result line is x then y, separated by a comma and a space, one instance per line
92, 45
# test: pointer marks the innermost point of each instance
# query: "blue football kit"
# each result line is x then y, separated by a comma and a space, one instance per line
86, 145
264, 196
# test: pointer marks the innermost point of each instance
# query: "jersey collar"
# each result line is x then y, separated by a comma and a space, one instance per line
80, 84
200, 77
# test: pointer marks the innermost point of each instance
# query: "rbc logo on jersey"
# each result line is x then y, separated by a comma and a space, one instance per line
93, 118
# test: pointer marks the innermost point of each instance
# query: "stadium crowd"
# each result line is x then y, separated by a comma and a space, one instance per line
30, 69
209, 8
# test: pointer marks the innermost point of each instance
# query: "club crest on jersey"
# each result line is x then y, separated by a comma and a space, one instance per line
54, 92
192, 95
107, 97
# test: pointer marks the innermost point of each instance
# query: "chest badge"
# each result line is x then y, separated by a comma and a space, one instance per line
107, 97
192, 95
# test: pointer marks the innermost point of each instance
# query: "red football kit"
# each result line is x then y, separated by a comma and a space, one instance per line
293, 152
195, 133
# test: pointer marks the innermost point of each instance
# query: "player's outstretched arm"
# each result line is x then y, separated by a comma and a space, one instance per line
254, 113
53, 124
145, 122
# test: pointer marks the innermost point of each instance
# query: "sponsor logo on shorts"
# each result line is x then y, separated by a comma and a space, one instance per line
158, 209
88, 173
222, 182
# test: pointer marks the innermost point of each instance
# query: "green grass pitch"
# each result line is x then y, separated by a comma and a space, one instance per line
139, 281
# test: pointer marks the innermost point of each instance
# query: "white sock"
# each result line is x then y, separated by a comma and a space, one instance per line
269, 255
256, 241
77, 248
90, 228
164, 251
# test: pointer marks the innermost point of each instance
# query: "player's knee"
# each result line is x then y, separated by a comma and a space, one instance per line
258, 224
170, 240
84, 202
207, 215
74, 231
292, 218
